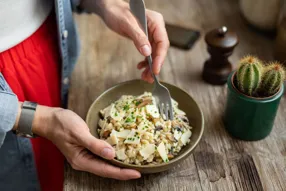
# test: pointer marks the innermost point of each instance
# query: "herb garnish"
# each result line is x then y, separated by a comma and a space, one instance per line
137, 103
126, 107
128, 120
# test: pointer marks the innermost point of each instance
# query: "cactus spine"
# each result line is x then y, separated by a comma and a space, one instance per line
272, 79
249, 75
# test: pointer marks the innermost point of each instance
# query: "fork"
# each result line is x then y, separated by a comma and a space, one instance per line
160, 92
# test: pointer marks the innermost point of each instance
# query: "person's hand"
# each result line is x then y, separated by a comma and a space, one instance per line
72, 137
118, 17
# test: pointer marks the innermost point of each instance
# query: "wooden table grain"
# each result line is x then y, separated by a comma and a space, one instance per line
219, 162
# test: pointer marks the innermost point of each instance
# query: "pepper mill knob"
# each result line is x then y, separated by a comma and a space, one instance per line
220, 45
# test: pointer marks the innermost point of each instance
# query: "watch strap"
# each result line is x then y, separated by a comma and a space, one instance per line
26, 119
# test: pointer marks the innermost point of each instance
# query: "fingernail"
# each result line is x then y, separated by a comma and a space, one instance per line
107, 153
157, 70
159, 67
145, 50
135, 175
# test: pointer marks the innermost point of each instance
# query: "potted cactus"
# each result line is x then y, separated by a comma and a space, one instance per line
253, 97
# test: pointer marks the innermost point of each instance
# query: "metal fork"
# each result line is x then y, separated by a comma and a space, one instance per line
160, 92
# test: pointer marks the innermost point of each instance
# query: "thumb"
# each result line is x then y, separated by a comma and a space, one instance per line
98, 147
139, 38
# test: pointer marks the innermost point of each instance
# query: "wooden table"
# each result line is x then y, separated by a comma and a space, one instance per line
219, 162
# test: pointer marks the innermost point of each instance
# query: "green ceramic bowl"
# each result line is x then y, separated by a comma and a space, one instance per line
137, 87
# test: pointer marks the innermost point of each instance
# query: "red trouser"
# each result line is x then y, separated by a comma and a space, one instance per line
32, 70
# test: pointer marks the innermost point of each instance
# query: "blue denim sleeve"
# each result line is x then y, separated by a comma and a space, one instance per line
8, 109
75, 6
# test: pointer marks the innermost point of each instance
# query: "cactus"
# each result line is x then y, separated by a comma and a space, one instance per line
272, 79
257, 80
249, 75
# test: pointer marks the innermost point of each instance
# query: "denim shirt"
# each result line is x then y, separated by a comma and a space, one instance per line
17, 168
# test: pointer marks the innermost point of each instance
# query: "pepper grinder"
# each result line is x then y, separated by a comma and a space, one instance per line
220, 45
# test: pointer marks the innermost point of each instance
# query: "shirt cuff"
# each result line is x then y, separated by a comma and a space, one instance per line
76, 6
8, 113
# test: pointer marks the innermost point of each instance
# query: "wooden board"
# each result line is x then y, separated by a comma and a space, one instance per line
219, 162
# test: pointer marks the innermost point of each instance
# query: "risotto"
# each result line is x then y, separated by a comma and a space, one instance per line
139, 134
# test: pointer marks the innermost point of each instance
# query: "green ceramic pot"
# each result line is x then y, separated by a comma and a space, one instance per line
248, 118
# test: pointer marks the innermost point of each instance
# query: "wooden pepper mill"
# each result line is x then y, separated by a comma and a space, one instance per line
221, 43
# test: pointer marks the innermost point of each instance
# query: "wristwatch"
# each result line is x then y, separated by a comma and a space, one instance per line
26, 120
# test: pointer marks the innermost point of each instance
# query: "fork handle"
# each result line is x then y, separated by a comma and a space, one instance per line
138, 9
150, 62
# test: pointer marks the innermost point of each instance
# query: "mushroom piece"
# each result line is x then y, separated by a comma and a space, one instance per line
172, 151
145, 102
158, 128
171, 138
184, 119
117, 125
176, 126
112, 121
139, 119
170, 156
105, 134
155, 120
108, 119
144, 162
133, 125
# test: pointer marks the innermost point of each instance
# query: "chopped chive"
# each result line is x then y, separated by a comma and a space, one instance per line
128, 120
126, 107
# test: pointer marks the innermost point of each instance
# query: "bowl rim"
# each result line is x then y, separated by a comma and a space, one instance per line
179, 156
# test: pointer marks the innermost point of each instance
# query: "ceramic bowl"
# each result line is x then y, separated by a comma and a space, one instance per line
137, 87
